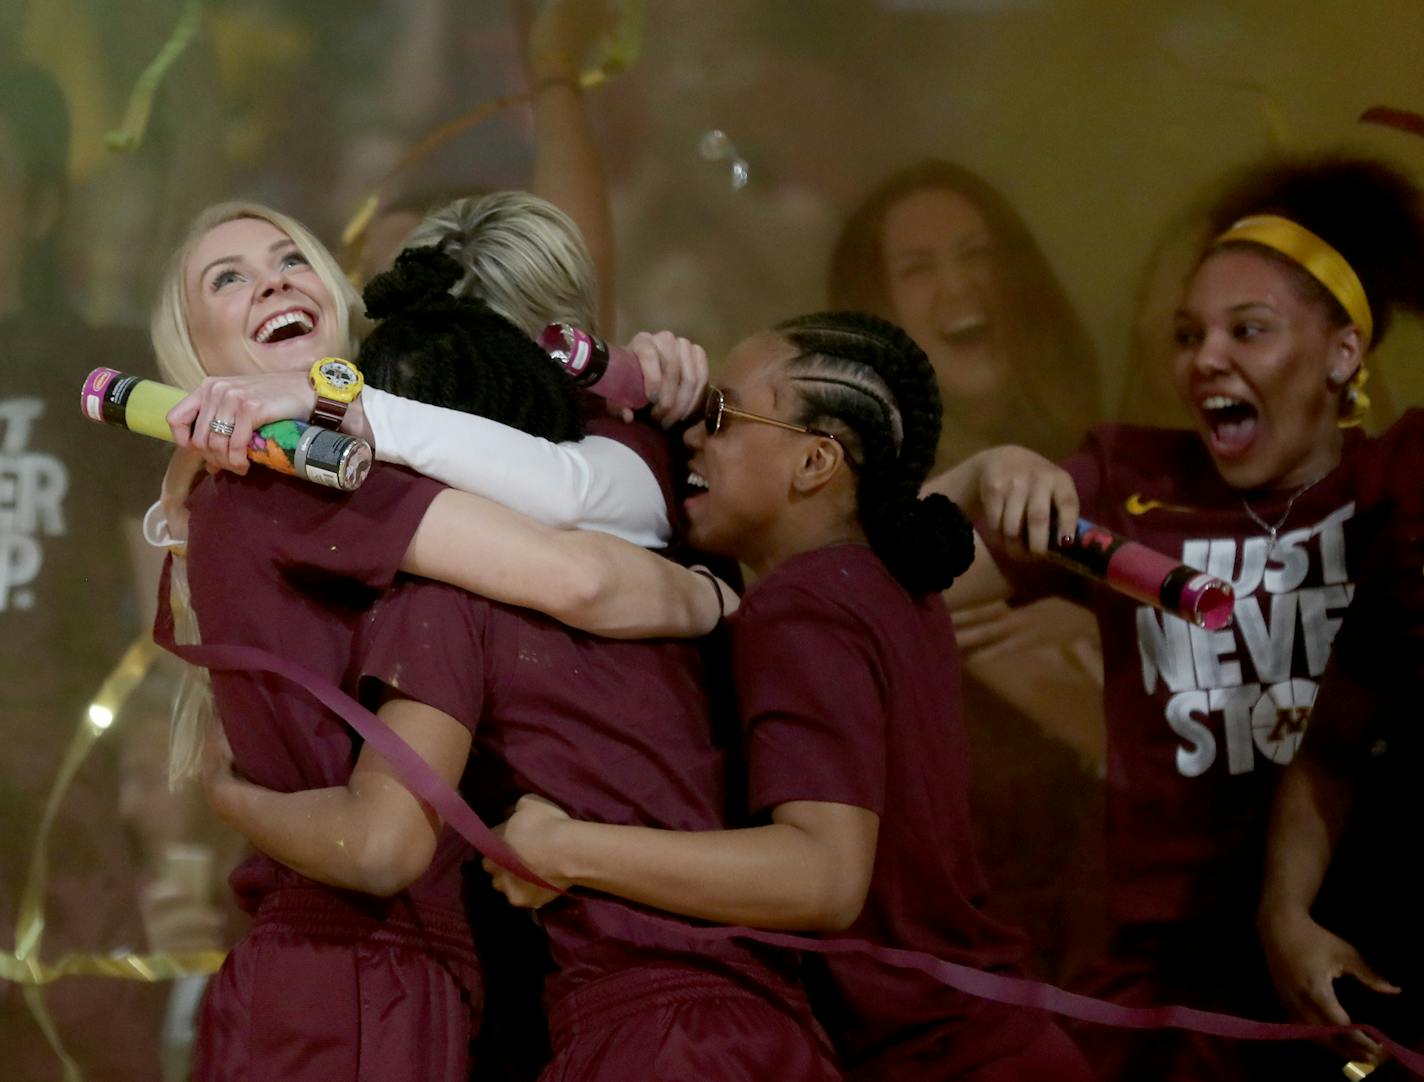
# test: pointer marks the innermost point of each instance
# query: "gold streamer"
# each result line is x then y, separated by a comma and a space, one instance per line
62, 36
620, 48
1138, 504
1272, 111
127, 137
149, 968
616, 53
353, 235
30, 921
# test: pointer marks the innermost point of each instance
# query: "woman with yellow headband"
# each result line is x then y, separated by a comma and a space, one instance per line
1272, 490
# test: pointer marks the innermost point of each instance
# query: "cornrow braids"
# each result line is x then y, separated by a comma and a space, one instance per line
456, 352
865, 379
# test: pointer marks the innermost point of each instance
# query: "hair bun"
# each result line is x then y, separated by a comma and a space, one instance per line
420, 278
929, 543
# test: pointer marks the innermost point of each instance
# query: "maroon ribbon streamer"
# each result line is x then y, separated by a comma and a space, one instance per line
1022, 992
422, 780
415, 773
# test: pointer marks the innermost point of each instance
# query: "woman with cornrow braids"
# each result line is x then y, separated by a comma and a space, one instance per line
939, 250
808, 469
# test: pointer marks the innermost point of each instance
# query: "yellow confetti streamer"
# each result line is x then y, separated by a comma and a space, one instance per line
620, 49
129, 135
62, 37
616, 53
149, 968
30, 923
360, 221
1272, 111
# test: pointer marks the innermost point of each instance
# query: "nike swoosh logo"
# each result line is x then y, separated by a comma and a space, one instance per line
1138, 504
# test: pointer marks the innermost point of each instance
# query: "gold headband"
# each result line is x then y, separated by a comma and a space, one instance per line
1322, 262
1330, 269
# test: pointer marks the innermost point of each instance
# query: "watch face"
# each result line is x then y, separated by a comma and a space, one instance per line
339, 374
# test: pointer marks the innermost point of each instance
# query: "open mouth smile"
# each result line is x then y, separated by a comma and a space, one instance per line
284, 326
966, 332
1233, 424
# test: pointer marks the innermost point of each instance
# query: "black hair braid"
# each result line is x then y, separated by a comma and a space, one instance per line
864, 374
1369, 211
455, 352
421, 277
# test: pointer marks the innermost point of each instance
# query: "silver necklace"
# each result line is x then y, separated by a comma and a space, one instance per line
1273, 529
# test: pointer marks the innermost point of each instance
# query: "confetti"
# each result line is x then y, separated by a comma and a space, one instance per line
715, 146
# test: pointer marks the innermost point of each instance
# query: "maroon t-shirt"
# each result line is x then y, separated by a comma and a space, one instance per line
849, 693
293, 567
1201, 722
613, 732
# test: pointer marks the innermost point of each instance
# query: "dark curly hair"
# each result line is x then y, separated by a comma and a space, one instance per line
455, 352
1367, 210
864, 379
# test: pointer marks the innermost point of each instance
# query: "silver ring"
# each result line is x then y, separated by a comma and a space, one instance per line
222, 428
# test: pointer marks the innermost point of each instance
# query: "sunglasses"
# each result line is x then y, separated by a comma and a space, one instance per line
715, 411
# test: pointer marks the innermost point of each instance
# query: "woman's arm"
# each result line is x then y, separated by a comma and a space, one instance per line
587, 580
370, 835
595, 484
590, 581
809, 869
568, 171
1015, 493
1308, 816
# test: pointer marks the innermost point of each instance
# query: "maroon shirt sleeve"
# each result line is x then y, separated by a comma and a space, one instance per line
362, 535
426, 641
812, 700
313, 533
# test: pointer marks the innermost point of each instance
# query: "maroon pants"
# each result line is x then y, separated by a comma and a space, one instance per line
1149, 966
1048, 1056
322, 990
670, 1021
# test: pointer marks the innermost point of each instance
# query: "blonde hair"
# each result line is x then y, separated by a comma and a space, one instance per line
178, 360
521, 255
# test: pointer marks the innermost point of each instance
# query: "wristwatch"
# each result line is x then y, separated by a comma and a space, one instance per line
337, 384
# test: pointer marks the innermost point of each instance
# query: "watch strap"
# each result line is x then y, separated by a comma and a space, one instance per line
329, 413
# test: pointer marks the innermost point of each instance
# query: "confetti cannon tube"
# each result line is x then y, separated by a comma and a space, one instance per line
611, 372
293, 447
1147, 575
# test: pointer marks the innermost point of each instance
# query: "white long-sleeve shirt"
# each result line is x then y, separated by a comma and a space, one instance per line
594, 484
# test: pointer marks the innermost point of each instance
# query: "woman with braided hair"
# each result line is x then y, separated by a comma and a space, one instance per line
525, 259
434, 346
808, 469
939, 250
360, 962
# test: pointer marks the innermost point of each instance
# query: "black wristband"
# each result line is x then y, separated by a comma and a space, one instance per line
717, 587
